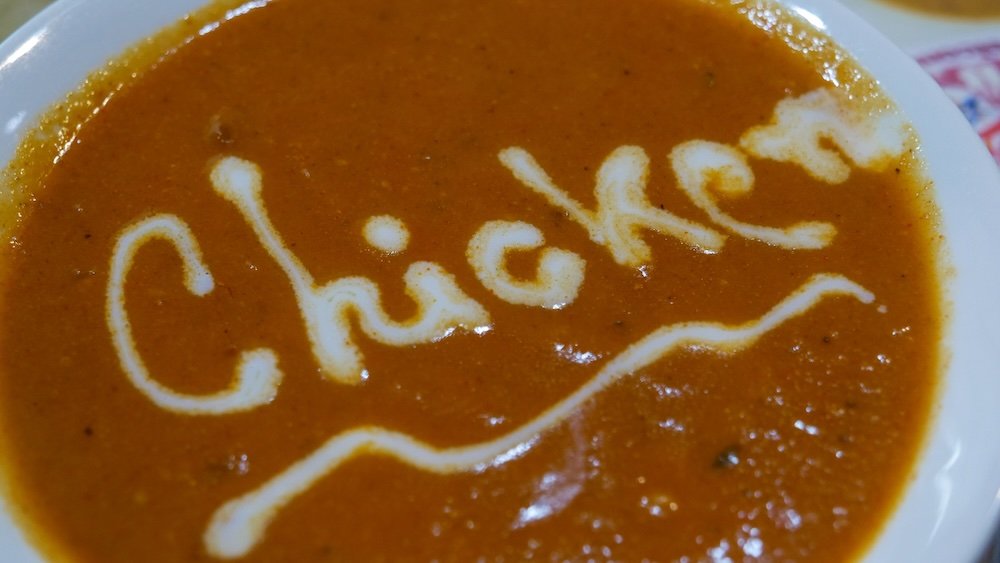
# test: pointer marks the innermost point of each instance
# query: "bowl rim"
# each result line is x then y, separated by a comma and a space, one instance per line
951, 506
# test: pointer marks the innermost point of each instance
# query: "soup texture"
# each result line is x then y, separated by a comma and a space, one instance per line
391, 280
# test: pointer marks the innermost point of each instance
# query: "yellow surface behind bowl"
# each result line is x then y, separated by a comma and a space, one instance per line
13, 13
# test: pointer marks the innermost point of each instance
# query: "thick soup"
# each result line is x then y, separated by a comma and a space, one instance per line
363, 280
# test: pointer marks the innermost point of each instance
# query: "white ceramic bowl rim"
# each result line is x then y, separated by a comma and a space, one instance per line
953, 502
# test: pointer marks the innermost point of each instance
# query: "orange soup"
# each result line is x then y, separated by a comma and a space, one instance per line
387, 280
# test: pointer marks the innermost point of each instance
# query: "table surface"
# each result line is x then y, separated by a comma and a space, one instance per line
13, 13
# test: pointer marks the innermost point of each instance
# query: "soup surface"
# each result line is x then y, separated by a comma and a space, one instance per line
368, 280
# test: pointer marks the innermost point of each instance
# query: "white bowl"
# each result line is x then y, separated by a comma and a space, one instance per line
952, 503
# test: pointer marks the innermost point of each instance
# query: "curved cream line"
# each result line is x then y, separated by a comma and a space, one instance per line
238, 525
698, 163
559, 273
623, 209
442, 307
257, 374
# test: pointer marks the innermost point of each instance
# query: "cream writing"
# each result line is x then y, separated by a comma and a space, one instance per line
797, 134
257, 374
443, 308
559, 276
807, 131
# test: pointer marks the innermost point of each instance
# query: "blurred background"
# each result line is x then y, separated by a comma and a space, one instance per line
15, 12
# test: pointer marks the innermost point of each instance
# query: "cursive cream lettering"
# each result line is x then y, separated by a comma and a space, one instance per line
623, 210
807, 131
257, 373
559, 276
703, 165
800, 125
326, 310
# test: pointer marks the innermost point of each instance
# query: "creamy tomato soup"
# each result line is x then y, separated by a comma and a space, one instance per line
369, 280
